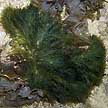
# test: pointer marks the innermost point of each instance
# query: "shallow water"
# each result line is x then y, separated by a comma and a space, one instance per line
99, 96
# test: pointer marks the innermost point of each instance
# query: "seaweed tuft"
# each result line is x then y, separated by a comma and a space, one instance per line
58, 63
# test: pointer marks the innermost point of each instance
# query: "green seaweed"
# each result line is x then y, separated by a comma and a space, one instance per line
56, 62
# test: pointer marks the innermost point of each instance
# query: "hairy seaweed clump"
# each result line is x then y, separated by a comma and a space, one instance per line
64, 66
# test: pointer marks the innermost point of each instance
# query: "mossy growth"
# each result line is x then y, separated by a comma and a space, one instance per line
58, 62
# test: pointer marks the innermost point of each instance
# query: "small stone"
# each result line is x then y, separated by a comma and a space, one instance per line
24, 92
40, 93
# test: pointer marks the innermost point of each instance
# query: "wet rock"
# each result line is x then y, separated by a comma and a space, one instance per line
24, 92
40, 93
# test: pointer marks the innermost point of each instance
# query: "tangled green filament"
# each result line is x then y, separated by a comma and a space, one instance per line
57, 63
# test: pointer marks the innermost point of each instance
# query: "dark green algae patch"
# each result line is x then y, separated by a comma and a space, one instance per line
56, 62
